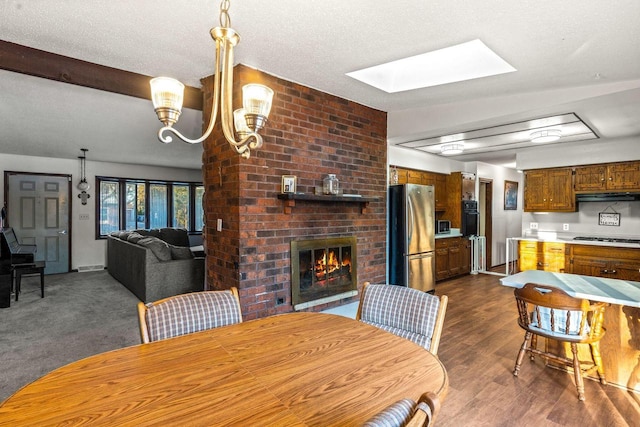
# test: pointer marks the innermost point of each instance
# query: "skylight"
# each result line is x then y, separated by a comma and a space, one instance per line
466, 61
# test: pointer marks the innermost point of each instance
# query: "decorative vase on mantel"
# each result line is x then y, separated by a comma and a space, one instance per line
331, 185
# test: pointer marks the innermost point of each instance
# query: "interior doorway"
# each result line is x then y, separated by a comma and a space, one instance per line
39, 209
485, 207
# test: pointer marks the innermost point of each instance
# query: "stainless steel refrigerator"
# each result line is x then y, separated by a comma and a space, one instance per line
412, 236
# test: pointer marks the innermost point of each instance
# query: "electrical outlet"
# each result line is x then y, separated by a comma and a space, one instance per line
84, 217
219, 226
533, 225
565, 227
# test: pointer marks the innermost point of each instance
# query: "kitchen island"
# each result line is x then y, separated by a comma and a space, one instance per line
610, 257
620, 346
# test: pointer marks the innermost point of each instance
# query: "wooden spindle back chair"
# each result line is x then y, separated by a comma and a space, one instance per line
551, 313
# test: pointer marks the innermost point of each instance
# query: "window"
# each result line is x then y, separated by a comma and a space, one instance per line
129, 204
108, 215
181, 206
135, 211
158, 206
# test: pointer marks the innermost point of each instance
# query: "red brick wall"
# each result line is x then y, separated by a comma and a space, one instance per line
309, 134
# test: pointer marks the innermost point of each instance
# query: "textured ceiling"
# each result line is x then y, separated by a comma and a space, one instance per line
571, 56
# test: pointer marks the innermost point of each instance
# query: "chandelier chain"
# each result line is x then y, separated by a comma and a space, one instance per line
225, 20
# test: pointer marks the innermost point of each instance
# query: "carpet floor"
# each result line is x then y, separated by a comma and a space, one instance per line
82, 314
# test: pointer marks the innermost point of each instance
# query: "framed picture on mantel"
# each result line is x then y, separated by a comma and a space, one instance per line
510, 195
289, 183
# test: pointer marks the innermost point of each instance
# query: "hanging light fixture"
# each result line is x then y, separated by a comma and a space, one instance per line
546, 135
452, 148
167, 95
83, 185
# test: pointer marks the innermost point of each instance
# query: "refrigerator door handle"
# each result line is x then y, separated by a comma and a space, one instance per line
410, 222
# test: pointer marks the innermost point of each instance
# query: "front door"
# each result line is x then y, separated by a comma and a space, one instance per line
38, 210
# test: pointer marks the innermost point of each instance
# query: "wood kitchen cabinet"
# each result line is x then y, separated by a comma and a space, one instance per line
438, 180
549, 190
545, 256
453, 257
605, 261
608, 177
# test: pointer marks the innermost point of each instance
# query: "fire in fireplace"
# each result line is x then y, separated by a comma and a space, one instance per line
323, 270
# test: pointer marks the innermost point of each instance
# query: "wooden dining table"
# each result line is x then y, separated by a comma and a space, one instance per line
296, 369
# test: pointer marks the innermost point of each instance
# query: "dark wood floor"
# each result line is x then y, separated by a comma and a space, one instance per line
479, 345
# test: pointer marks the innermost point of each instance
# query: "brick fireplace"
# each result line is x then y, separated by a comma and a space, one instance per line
309, 134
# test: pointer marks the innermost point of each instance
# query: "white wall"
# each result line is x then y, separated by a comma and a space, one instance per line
414, 159
85, 249
585, 221
580, 153
505, 223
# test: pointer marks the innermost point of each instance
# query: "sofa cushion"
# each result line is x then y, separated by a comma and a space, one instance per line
159, 248
175, 236
180, 252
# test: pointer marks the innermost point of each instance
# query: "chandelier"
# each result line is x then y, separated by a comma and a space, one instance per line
167, 95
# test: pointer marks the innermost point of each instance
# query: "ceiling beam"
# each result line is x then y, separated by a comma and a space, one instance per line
34, 62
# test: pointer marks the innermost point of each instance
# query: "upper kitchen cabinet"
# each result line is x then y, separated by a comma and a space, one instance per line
549, 190
623, 176
438, 180
591, 178
608, 177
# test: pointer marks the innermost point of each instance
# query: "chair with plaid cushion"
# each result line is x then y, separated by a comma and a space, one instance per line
408, 313
406, 413
188, 313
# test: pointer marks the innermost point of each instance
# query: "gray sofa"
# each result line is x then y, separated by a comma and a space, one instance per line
154, 264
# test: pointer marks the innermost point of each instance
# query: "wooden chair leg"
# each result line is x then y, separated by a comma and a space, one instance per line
597, 360
534, 344
577, 371
523, 350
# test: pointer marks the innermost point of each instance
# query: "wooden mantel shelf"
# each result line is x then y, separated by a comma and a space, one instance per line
290, 200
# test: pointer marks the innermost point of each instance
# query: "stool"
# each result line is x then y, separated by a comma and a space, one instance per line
35, 268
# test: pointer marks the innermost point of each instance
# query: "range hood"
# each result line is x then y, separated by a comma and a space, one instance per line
608, 197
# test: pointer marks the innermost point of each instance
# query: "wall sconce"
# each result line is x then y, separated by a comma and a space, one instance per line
83, 185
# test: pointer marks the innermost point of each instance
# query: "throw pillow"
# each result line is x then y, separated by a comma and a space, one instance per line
134, 237
180, 252
143, 232
124, 235
175, 236
159, 248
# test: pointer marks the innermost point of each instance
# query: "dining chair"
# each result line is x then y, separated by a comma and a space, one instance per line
407, 413
409, 313
188, 313
551, 313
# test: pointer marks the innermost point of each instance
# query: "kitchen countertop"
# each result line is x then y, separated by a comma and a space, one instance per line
455, 232
553, 237
613, 291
